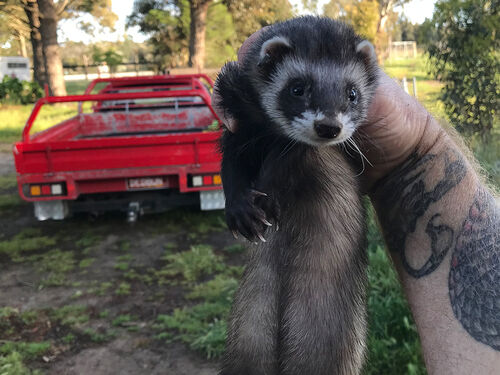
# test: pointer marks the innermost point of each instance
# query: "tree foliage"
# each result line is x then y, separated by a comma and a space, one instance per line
249, 15
229, 23
14, 28
99, 9
361, 14
466, 58
168, 24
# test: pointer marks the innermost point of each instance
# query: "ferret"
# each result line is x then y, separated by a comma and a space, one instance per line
302, 90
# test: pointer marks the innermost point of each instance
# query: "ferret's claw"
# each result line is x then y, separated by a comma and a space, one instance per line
256, 192
260, 237
235, 234
266, 222
277, 227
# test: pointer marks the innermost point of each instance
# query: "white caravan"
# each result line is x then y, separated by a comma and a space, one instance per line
15, 66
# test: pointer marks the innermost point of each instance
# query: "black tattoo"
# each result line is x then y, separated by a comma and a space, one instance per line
407, 199
474, 281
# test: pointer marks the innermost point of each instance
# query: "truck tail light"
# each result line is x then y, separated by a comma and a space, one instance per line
197, 181
205, 180
46, 190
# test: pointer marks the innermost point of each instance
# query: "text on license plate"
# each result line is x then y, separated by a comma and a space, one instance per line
146, 183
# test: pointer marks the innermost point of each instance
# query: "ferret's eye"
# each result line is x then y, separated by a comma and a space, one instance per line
353, 95
297, 90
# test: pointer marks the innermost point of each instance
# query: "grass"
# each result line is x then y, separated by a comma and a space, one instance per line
191, 265
12, 364
70, 315
13, 117
8, 181
123, 289
27, 241
27, 350
54, 265
428, 90
8, 202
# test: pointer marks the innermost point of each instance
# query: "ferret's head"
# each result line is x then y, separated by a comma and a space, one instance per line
316, 78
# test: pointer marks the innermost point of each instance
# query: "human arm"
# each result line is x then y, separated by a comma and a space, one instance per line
442, 227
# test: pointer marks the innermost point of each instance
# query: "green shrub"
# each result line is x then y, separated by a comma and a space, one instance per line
70, 315
27, 350
220, 288
14, 91
191, 265
12, 364
23, 242
203, 326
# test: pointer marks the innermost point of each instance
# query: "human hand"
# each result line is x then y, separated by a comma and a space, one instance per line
396, 126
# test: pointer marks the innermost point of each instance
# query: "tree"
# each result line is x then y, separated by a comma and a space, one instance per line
386, 7
49, 16
33, 16
250, 15
465, 57
166, 20
110, 57
361, 14
197, 29
13, 23
426, 33
168, 23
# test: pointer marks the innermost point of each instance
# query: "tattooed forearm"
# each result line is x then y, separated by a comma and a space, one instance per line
416, 220
406, 197
474, 280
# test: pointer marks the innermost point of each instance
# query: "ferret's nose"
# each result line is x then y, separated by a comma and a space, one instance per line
327, 129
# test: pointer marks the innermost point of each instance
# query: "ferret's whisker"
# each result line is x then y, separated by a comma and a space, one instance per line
343, 144
360, 153
287, 148
350, 144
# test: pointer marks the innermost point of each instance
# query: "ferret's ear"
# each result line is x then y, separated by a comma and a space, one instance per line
366, 50
273, 51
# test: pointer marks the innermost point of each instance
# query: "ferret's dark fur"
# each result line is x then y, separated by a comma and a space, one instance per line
300, 307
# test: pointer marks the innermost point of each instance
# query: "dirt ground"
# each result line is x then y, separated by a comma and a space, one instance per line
105, 254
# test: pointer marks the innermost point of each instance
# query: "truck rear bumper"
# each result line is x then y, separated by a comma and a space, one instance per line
134, 204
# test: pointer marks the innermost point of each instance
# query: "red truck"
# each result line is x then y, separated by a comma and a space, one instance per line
148, 144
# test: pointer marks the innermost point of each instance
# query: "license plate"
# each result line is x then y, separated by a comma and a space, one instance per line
146, 183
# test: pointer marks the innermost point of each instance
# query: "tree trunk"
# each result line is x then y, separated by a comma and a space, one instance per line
381, 22
33, 15
48, 29
22, 45
197, 30
385, 7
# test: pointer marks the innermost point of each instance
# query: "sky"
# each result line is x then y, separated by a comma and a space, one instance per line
416, 11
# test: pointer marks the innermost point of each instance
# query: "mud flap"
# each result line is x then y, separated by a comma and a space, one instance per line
56, 210
212, 200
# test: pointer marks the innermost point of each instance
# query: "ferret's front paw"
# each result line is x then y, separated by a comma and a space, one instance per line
251, 215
